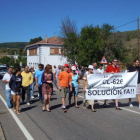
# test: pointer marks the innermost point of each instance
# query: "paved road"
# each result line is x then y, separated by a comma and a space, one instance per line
76, 124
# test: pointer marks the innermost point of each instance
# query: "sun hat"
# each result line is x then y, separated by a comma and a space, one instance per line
90, 67
66, 65
73, 68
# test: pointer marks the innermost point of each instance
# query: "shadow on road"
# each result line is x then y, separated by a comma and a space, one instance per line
55, 106
27, 108
53, 99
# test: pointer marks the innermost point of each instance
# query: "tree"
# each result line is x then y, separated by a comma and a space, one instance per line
20, 51
90, 45
35, 40
69, 35
115, 48
5, 60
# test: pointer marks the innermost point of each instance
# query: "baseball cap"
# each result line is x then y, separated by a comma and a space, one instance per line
75, 65
73, 68
66, 65
90, 67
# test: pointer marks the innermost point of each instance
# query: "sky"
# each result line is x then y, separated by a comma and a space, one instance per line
22, 20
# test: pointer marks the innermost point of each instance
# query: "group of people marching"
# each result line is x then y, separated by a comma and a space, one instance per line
66, 78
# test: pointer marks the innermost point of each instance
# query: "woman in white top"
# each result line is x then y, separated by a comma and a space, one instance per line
85, 85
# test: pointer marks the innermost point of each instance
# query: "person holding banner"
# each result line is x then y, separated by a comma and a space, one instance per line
133, 68
113, 69
95, 71
85, 85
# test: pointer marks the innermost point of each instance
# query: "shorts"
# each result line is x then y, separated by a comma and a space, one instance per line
63, 92
74, 91
14, 93
138, 89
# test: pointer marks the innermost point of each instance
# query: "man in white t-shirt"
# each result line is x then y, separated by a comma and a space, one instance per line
95, 71
100, 70
6, 79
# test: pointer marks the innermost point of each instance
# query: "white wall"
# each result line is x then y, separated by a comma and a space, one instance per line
52, 59
33, 61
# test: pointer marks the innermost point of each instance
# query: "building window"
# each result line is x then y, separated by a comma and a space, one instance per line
33, 51
56, 51
51, 50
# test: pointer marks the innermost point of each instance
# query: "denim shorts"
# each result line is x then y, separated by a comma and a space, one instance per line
74, 91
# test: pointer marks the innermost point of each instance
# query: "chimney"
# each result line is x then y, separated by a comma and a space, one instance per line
46, 38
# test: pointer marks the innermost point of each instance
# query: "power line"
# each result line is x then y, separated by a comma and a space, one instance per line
126, 23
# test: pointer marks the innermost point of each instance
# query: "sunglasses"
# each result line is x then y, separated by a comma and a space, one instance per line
40, 67
115, 61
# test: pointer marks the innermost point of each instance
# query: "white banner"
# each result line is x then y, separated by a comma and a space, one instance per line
111, 86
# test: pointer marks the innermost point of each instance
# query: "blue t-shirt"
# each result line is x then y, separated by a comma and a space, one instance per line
38, 74
75, 80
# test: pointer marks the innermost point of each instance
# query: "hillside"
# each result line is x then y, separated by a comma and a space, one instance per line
13, 45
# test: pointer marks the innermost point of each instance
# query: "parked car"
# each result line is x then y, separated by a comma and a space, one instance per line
2, 72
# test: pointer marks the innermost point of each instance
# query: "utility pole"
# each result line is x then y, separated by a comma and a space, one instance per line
138, 38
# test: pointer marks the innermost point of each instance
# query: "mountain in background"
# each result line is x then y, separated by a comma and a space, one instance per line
14, 45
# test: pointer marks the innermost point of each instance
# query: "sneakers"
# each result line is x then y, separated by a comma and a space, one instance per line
32, 97
64, 109
28, 103
130, 104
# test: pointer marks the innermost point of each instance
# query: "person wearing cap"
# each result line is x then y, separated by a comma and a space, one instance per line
85, 85
74, 91
64, 79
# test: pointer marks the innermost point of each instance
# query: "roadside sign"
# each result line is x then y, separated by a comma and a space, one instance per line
103, 61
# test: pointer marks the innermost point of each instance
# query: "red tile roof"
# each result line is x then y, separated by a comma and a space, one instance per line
51, 40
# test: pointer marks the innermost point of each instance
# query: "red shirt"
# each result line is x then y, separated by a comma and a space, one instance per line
110, 68
69, 71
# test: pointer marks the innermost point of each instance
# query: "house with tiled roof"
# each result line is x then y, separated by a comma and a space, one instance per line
48, 51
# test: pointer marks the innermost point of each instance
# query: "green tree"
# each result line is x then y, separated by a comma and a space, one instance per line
35, 40
20, 51
12, 61
115, 48
128, 37
90, 45
5, 60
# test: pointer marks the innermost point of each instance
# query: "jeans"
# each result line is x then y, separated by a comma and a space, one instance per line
41, 97
24, 90
55, 82
32, 89
74, 91
8, 97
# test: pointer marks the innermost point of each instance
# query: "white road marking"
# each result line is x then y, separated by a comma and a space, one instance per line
121, 107
21, 126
